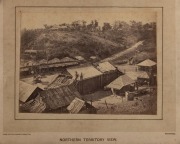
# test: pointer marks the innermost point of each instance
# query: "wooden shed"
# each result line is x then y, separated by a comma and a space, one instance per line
27, 91
57, 99
147, 65
88, 78
121, 85
109, 72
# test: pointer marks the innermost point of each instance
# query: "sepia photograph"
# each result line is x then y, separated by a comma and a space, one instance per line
88, 63
89, 72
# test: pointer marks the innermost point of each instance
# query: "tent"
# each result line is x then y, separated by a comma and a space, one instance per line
80, 58
43, 61
54, 60
67, 59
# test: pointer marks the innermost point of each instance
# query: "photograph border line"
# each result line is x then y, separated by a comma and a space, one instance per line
162, 8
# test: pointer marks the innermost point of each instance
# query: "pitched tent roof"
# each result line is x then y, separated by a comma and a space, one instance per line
31, 51
86, 71
67, 59
54, 60
29, 63
59, 97
43, 61
105, 67
93, 57
138, 74
24, 69
76, 105
147, 63
25, 90
120, 82
80, 58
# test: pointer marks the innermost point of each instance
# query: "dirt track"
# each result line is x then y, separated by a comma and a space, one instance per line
115, 56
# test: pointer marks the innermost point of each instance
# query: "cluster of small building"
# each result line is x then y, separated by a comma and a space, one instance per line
28, 67
46, 65
65, 93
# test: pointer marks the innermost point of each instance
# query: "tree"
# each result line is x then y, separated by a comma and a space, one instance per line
84, 23
95, 23
28, 38
106, 26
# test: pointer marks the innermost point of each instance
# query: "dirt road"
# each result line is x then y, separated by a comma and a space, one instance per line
115, 56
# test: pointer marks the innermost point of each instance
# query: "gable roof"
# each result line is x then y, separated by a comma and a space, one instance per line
76, 105
147, 62
86, 71
138, 74
59, 97
25, 90
105, 67
120, 82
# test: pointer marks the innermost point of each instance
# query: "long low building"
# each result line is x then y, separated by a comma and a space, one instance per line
46, 65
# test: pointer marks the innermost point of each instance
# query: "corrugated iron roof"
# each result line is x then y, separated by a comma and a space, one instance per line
120, 82
105, 67
147, 62
34, 106
86, 71
60, 81
76, 105
59, 97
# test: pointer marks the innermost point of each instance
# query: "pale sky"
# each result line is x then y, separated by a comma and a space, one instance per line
32, 20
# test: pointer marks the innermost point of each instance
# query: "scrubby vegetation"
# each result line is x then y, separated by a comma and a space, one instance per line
80, 38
